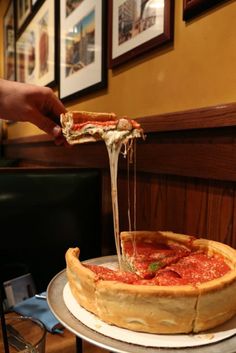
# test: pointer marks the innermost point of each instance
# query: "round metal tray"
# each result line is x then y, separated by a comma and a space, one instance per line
59, 309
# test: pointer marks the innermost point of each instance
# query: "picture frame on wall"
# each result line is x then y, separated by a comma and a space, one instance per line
136, 27
23, 10
35, 48
9, 43
34, 2
194, 8
82, 49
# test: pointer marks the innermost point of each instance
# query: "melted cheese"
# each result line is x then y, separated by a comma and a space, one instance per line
120, 133
114, 141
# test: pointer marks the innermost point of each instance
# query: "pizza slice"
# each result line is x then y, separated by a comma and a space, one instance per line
83, 127
145, 253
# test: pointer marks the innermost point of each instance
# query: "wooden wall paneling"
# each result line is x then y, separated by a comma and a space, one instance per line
160, 202
150, 197
187, 205
220, 209
42, 152
221, 115
195, 207
175, 201
209, 153
151, 201
158, 199
122, 183
232, 240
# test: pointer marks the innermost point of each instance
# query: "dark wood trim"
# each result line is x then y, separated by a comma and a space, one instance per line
202, 118
211, 155
195, 143
221, 115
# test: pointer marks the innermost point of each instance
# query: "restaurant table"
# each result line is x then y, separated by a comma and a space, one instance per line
82, 332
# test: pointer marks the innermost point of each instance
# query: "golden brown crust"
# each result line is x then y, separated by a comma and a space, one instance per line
84, 116
158, 236
157, 309
216, 302
82, 281
82, 127
146, 309
70, 118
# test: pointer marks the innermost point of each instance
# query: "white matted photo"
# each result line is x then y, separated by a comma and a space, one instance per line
35, 48
9, 43
82, 47
137, 26
23, 9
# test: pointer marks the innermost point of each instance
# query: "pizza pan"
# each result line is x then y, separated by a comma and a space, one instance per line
57, 305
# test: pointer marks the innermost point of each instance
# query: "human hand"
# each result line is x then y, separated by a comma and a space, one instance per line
35, 104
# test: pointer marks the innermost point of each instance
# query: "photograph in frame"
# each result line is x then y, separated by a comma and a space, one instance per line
194, 8
82, 47
35, 48
9, 43
137, 26
23, 10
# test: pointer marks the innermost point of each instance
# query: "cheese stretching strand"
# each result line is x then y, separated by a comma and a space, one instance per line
82, 127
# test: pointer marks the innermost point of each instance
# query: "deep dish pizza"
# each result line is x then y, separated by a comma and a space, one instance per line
169, 283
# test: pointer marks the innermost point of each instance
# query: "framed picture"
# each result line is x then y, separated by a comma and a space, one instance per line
34, 2
193, 8
9, 43
136, 27
23, 10
35, 48
82, 47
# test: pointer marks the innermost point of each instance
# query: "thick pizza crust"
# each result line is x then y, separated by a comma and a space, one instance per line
157, 309
82, 127
217, 301
72, 117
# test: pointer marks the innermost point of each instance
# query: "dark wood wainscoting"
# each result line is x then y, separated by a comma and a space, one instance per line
186, 173
192, 206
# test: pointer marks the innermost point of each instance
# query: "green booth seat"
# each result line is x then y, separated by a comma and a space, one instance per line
44, 212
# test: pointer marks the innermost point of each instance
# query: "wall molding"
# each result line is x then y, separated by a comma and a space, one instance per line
195, 143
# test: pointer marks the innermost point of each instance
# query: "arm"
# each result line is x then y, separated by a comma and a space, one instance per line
34, 104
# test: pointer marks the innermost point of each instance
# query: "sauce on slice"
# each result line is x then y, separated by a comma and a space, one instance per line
196, 268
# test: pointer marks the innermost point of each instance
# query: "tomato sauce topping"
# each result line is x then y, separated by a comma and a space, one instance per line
79, 126
149, 257
198, 267
107, 274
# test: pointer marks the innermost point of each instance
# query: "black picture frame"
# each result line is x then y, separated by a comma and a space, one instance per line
194, 8
35, 47
82, 62
34, 3
9, 42
136, 28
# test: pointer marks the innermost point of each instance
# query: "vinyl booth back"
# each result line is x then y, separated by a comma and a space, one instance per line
42, 214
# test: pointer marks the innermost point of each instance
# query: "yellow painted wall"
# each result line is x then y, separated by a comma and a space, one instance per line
197, 71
